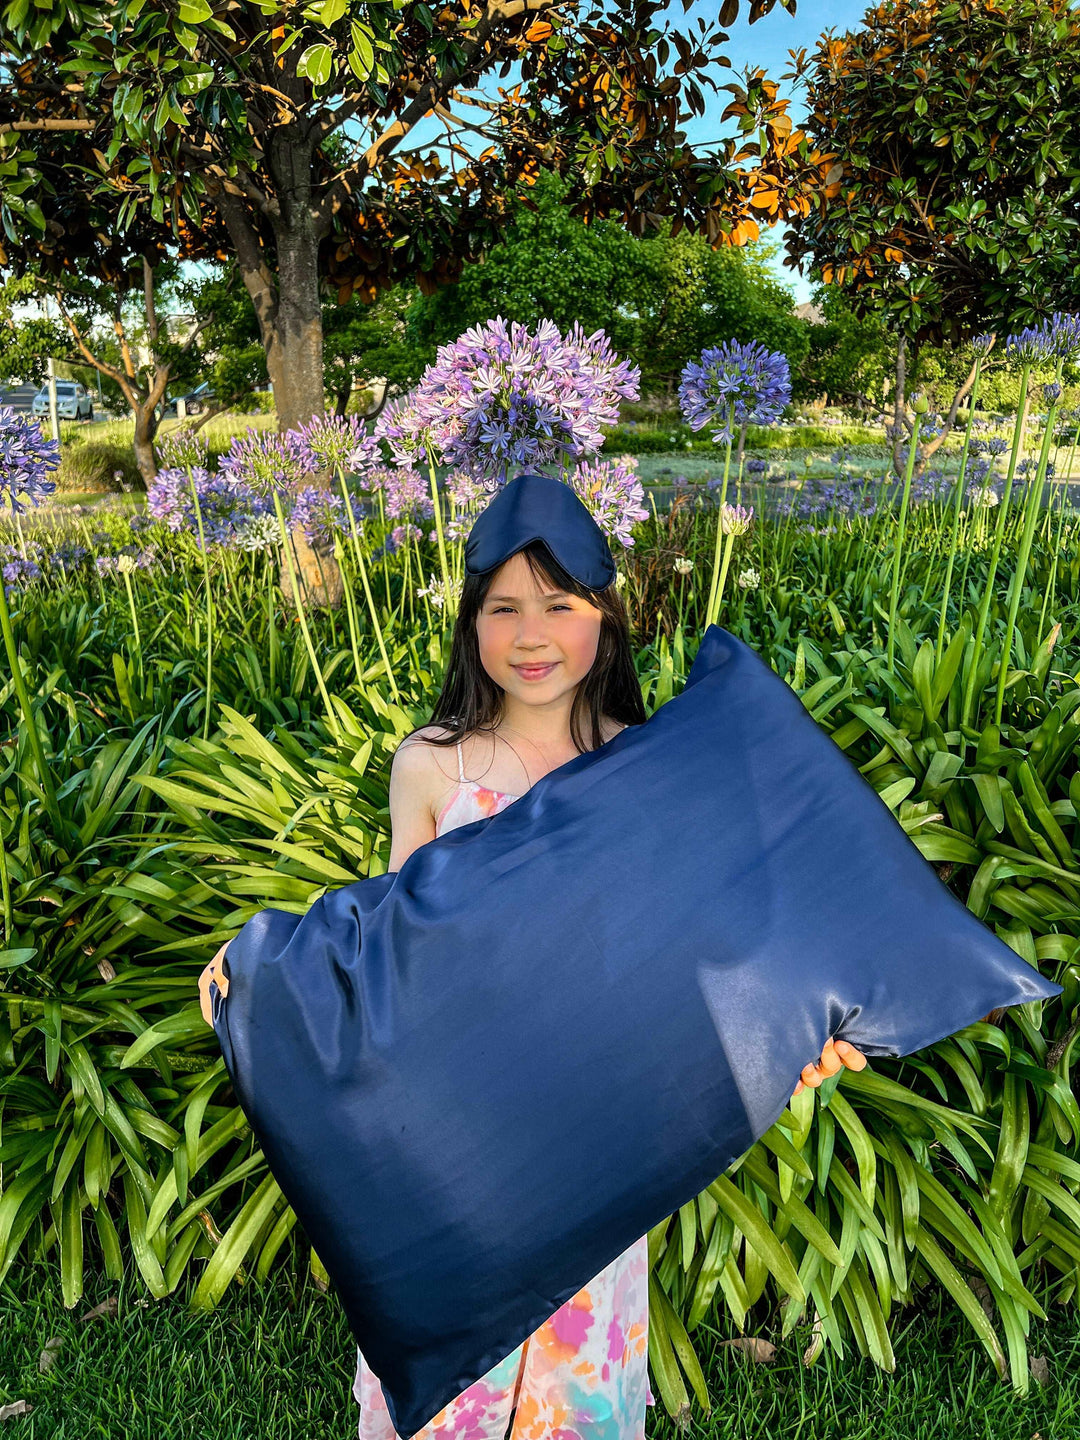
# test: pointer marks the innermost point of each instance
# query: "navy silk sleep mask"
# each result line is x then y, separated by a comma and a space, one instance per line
480, 1079
538, 507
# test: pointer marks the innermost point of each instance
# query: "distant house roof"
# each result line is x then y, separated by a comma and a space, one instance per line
809, 311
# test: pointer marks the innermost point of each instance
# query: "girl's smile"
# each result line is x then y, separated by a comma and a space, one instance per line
535, 672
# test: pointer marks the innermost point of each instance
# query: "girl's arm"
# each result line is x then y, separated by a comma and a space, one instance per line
413, 777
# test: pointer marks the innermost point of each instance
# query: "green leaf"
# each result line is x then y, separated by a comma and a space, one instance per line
235, 1244
758, 1234
194, 12
317, 63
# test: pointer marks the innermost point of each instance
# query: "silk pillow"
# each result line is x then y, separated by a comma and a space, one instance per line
480, 1079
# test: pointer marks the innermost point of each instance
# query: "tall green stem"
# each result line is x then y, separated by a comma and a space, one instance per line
1031, 515
450, 609
209, 606
898, 541
350, 607
958, 500
362, 569
714, 609
300, 615
709, 608
135, 627
999, 531
28, 716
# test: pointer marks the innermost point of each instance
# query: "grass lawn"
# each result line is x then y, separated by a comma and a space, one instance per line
278, 1364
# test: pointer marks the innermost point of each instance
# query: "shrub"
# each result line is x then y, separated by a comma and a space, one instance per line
93, 465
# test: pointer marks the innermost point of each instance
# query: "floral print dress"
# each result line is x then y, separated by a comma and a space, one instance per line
583, 1375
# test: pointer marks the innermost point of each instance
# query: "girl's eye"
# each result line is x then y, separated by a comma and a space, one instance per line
500, 608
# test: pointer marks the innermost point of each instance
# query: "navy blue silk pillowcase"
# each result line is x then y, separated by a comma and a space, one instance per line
480, 1079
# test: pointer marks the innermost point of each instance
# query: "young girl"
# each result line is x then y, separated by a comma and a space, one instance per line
541, 669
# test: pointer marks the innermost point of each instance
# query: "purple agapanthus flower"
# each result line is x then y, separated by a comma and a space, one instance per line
26, 458
407, 492
613, 495
69, 556
398, 537
336, 442
750, 378
505, 397
321, 512
266, 461
1053, 339
181, 447
224, 503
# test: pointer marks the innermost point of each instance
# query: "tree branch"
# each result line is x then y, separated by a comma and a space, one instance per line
148, 300
105, 369
428, 95
22, 125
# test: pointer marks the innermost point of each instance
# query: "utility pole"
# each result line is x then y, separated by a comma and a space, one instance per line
53, 415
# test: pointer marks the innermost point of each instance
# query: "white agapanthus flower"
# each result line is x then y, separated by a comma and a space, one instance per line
435, 592
984, 497
683, 565
748, 579
126, 564
258, 532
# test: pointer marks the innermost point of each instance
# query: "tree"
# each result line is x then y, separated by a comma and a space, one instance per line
102, 273
227, 106
371, 344
850, 358
691, 296
662, 298
231, 359
952, 205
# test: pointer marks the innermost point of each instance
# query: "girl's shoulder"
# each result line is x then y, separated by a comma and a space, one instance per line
427, 768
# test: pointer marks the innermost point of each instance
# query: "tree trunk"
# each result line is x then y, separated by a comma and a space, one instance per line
289, 313
294, 359
146, 425
342, 401
295, 355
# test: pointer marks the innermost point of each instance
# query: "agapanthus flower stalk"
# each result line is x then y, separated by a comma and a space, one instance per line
1032, 502
26, 458
983, 344
898, 539
346, 446
734, 385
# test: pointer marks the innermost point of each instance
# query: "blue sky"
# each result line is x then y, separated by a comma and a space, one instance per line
767, 44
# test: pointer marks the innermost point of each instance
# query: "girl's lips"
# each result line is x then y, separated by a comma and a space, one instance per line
535, 672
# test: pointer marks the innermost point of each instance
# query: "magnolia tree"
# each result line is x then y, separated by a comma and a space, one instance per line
950, 207
360, 143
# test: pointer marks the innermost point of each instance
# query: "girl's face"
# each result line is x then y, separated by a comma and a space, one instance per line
523, 623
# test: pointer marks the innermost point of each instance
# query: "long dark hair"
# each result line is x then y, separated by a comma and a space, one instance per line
471, 701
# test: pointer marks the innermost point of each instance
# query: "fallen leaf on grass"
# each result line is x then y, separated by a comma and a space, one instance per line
1040, 1369
758, 1350
47, 1358
17, 1407
107, 1307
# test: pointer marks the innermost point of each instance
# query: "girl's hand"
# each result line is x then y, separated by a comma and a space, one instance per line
832, 1057
213, 971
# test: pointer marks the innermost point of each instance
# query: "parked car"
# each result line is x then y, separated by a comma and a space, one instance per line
73, 401
195, 400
